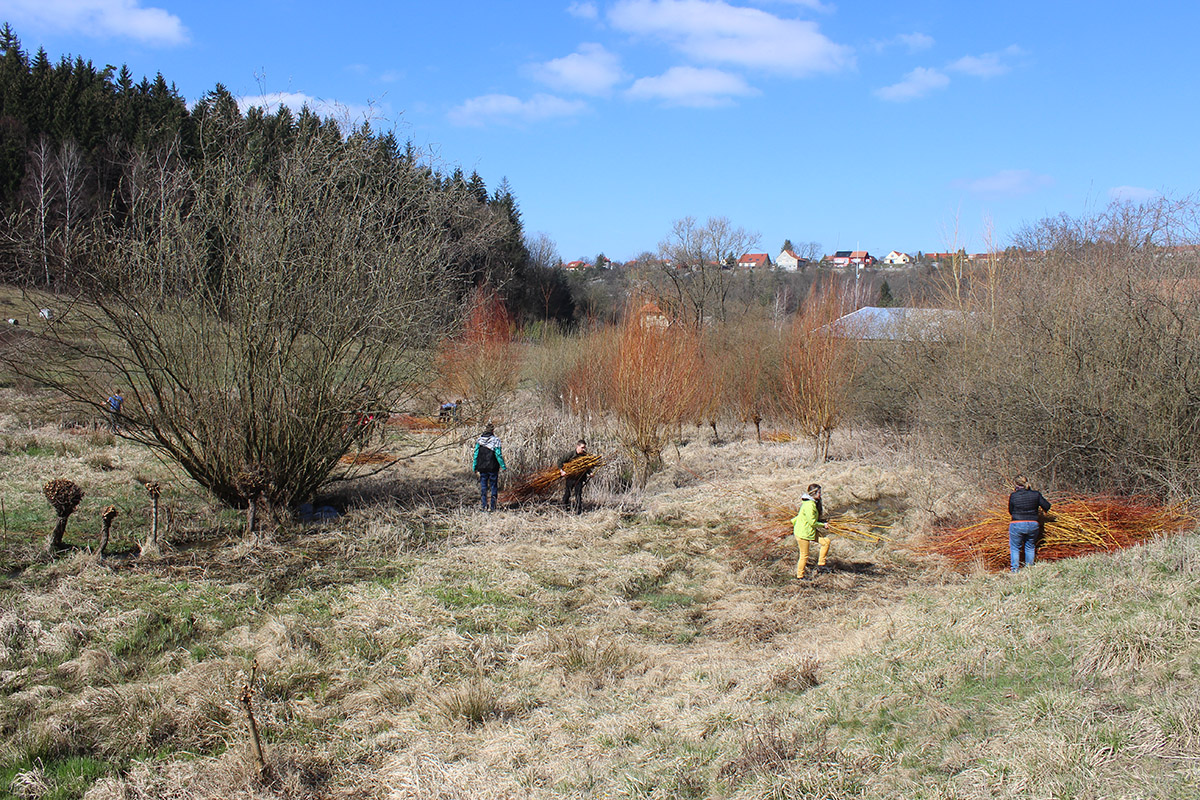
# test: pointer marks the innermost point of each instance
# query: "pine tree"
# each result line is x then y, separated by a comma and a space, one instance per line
478, 188
885, 296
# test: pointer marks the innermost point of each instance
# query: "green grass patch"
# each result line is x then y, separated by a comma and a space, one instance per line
479, 610
463, 597
55, 779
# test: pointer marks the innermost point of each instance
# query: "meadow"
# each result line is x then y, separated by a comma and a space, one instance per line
418, 648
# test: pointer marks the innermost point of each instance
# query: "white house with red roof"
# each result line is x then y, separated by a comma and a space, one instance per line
754, 260
897, 259
789, 261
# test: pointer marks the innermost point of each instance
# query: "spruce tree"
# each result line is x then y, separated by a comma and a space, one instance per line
885, 296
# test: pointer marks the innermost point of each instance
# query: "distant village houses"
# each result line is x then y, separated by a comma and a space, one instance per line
851, 258
754, 260
896, 259
790, 262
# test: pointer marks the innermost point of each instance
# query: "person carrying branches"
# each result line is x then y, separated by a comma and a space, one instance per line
1023, 506
574, 481
808, 526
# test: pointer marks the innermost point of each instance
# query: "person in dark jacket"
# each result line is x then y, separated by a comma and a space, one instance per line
115, 401
573, 485
1023, 506
487, 460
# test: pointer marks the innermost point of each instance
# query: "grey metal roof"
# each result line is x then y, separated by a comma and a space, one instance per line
900, 324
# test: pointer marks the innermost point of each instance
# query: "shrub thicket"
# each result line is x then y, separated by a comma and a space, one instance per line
1080, 358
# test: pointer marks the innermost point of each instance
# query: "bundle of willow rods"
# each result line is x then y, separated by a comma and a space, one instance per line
773, 522
1075, 527
539, 483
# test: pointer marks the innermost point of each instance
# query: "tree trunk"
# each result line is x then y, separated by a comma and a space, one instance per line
251, 517
54, 541
150, 547
106, 525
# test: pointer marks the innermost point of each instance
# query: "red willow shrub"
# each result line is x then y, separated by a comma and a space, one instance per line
817, 366
647, 372
744, 356
481, 362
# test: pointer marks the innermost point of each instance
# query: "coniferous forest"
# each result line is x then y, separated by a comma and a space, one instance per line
79, 143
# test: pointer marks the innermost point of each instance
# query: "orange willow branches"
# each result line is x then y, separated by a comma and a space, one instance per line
817, 367
645, 372
480, 362
1077, 527
540, 483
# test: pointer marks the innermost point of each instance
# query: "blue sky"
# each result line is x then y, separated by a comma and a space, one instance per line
908, 125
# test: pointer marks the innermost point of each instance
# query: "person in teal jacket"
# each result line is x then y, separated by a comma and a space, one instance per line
808, 527
487, 460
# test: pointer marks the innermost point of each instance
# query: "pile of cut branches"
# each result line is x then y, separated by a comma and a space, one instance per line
1077, 526
539, 483
410, 422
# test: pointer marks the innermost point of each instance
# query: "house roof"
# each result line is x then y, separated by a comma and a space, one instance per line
648, 308
898, 324
843, 254
754, 258
859, 254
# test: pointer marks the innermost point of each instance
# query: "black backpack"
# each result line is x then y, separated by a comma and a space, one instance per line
485, 460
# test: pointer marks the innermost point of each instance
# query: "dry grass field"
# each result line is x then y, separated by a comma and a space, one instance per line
418, 648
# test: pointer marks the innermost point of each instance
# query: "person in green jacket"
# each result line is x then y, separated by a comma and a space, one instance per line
806, 525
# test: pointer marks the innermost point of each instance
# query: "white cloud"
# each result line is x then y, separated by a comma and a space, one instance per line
583, 10
988, 65
815, 5
1133, 194
912, 42
715, 31
918, 83
690, 86
99, 18
346, 115
589, 70
1007, 182
915, 41
503, 108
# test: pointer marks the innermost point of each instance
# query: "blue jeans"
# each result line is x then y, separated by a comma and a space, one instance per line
1022, 535
488, 482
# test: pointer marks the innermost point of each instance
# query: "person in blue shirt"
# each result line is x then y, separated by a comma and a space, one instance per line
115, 401
487, 460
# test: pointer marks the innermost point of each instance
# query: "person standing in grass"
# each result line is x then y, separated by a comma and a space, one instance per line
808, 526
573, 484
115, 401
487, 460
1023, 506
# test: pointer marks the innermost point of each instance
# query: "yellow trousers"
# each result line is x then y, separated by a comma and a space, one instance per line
822, 553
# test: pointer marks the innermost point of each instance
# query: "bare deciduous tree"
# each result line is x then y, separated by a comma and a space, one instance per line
695, 277
70, 172
251, 320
